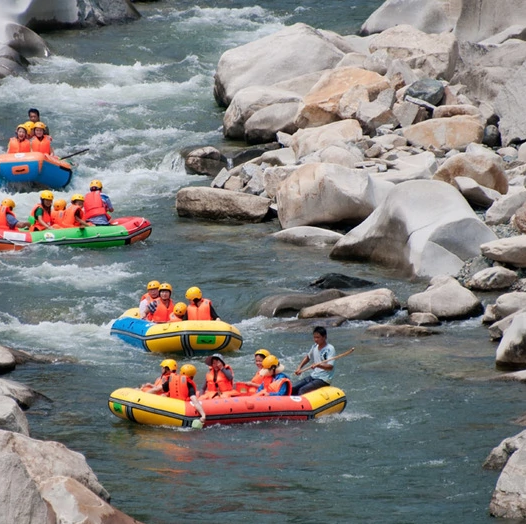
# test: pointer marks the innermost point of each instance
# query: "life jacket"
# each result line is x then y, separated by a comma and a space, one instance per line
200, 312
41, 146
162, 313
57, 217
46, 217
4, 211
178, 387
70, 220
175, 318
257, 378
94, 206
158, 382
220, 385
275, 385
17, 146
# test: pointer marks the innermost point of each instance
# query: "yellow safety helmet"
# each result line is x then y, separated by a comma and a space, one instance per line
188, 370
169, 363
39, 125
7, 202
47, 195
23, 126
153, 284
77, 196
95, 183
193, 293
180, 309
165, 287
29, 126
270, 361
263, 352
60, 205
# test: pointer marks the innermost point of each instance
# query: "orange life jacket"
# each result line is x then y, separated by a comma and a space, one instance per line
46, 216
178, 387
17, 146
41, 146
162, 313
275, 385
221, 382
70, 219
200, 312
94, 206
57, 217
4, 211
175, 318
257, 378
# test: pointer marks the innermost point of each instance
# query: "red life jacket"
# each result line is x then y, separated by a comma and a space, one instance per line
57, 217
70, 218
275, 385
46, 216
4, 211
17, 146
178, 387
200, 312
221, 382
94, 206
162, 313
41, 146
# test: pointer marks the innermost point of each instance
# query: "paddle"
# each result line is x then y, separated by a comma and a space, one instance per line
345, 353
74, 154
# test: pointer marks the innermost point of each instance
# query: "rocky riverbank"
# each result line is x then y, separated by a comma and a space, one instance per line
402, 147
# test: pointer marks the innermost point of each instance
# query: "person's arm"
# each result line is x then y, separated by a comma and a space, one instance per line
302, 363
143, 308
197, 405
81, 221
213, 313
107, 202
229, 374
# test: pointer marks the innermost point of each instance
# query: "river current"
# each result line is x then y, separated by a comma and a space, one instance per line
422, 414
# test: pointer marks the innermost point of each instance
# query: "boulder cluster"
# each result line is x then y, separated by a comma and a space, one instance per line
404, 146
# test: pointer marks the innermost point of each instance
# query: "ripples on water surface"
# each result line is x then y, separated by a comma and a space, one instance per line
420, 418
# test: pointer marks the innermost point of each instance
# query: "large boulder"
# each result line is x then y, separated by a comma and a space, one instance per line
289, 304
510, 250
435, 55
511, 352
429, 16
294, 51
317, 194
12, 417
220, 204
423, 228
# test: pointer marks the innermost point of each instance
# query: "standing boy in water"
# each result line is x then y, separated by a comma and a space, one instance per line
323, 372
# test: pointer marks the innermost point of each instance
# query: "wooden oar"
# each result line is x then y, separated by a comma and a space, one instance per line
74, 154
345, 353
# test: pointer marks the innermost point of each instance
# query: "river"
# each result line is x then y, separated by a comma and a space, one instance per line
422, 415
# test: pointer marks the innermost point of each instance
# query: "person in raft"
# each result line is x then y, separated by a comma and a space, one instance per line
74, 215
323, 372
41, 213
41, 143
169, 366
280, 384
57, 213
34, 116
152, 293
8, 219
182, 387
199, 308
219, 379
97, 205
19, 143
160, 309
258, 378
179, 312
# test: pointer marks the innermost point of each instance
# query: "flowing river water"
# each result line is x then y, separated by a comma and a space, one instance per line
422, 415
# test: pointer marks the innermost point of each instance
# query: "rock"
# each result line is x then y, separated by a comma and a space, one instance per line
497, 329
493, 278
511, 352
423, 319
435, 55
474, 193
491, 136
518, 220
372, 115
428, 89
308, 236
415, 167
390, 330
429, 16
11, 416
362, 306
205, 161
274, 58
446, 299
274, 176
221, 179
264, 124
23, 395
509, 303
220, 204
321, 104
289, 304
408, 113
423, 228
503, 209
336, 280
478, 163
499, 455
447, 111
445, 133
7, 360
511, 250
318, 194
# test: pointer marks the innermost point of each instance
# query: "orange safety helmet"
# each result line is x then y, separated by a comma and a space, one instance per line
60, 205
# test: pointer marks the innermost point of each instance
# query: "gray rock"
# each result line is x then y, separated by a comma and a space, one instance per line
289, 304
337, 280
428, 89
308, 236
390, 330
205, 161
11, 416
